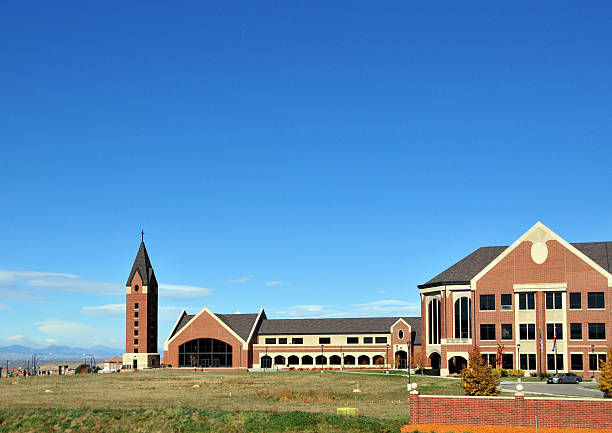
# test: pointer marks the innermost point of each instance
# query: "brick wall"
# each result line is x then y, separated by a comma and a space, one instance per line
515, 411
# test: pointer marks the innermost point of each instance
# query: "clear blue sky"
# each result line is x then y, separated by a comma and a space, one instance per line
312, 159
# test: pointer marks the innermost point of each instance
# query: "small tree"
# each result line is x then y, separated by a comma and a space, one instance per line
605, 375
477, 378
499, 359
420, 361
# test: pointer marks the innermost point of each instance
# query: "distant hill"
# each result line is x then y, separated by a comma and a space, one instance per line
64, 353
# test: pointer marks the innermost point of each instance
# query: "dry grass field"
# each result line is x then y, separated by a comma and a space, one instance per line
194, 401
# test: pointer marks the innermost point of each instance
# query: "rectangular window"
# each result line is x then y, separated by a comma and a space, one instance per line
595, 360
487, 331
575, 300
526, 301
324, 340
135, 323
270, 340
527, 331
576, 331
554, 330
367, 340
528, 361
506, 302
553, 300
550, 362
296, 340
596, 300
380, 339
135, 332
507, 361
352, 340
576, 361
490, 359
136, 306
506, 331
487, 302
135, 350
282, 340
135, 341
135, 314
597, 331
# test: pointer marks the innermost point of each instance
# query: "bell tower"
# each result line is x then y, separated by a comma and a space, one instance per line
141, 314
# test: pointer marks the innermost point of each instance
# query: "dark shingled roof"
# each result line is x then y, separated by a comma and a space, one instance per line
243, 323
359, 325
142, 264
468, 267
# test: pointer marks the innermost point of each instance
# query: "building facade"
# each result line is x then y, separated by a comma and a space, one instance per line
543, 303
241, 341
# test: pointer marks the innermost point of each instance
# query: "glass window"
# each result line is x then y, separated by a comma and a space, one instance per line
205, 352
381, 339
527, 361
324, 340
527, 331
506, 301
296, 340
550, 361
576, 331
367, 340
576, 361
135, 341
554, 330
597, 331
507, 361
136, 306
400, 334
136, 323
490, 359
596, 300
487, 331
575, 300
487, 302
463, 318
553, 300
352, 340
434, 321
282, 340
526, 301
506, 331
595, 360
270, 340
135, 313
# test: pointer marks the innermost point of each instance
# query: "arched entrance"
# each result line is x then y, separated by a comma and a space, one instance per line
456, 364
279, 360
401, 359
265, 362
435, 360
364, 360
378, 360
335, 360
205, 352
349, 360
293, 360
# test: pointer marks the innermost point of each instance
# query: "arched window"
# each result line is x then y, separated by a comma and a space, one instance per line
349, 360
279, 360
463, 317
364, 360
306, 360
293, 360
205, 352
378, 360
335, 360
434, 321
265, 362
321, 360
136, 288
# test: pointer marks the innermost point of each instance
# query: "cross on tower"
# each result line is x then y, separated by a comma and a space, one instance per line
142, 235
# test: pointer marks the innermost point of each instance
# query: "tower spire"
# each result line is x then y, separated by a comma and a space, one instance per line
141, 235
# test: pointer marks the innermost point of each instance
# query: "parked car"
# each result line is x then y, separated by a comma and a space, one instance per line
564, 378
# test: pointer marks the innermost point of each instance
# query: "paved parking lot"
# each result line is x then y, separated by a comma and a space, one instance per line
556, 389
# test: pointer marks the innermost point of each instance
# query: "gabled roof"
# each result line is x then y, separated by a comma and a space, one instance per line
142, 264
241, 324
467, 268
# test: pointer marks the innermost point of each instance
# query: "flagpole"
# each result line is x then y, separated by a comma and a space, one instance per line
555, 344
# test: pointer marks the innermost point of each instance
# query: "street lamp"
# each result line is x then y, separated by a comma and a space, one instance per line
266, 358
387, 359
593, 364
518, 356
321, 359
409, 360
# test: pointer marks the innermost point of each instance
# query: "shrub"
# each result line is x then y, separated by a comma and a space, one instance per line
605, 375
503, 372
516, 373
478, 378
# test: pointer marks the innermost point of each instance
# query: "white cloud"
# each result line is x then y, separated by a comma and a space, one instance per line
66, 329
108, 310
384, 307
50, 341
3, 306
387, 307
17, 337
20, 339
306, 311
241, 279
274, 283
174, 291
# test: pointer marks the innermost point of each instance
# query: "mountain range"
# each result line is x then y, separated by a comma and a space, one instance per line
63, 353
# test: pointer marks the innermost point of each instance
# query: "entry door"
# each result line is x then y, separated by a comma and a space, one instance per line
135, 364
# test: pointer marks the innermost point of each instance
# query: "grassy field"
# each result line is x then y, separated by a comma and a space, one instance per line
223, 400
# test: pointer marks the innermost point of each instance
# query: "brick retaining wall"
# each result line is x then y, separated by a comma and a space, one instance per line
517, 411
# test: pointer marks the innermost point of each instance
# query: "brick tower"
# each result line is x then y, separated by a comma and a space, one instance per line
141, 314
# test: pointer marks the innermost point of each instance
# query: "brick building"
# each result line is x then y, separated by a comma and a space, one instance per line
546, 301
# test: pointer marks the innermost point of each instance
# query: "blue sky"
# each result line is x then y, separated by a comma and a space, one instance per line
310, 158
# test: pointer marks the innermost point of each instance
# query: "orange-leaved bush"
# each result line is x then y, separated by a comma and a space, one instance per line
478, 378
605, 375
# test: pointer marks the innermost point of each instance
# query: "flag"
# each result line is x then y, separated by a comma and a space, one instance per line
554, 344
541, 343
